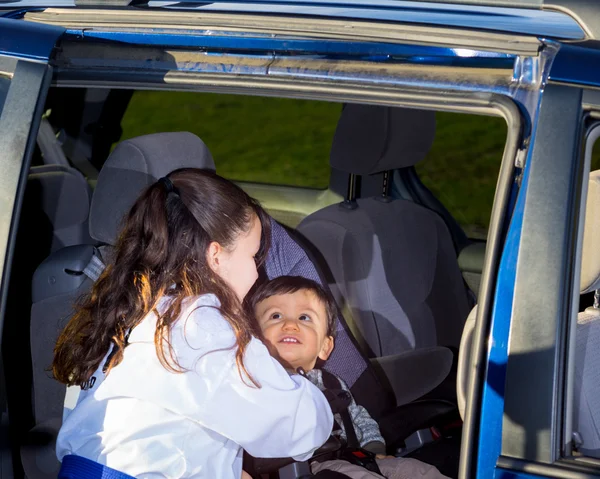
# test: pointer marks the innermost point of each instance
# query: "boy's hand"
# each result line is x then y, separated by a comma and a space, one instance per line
383, 456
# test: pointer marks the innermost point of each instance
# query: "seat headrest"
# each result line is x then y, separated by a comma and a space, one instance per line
590, 258
371, 139
132, 166
61, 195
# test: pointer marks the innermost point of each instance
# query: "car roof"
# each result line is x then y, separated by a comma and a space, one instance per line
526, 17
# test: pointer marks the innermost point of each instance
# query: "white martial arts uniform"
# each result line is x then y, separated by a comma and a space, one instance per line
146, 421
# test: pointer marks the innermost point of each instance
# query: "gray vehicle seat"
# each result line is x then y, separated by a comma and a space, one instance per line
586, 394
54, 214
60, 280
393, 265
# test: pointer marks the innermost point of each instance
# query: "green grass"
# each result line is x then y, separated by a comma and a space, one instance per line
462, 168
287, 142
267, 140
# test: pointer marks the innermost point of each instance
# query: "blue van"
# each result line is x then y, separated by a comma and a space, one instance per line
454, 220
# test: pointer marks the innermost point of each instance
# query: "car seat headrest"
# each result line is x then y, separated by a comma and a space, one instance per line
132, 166
371, 139
57, 205
590, 261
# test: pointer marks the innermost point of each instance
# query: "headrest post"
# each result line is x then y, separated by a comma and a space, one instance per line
353, 185
597, 299
385, 194
386, 185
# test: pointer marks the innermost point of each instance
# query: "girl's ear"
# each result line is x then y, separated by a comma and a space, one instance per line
213, 256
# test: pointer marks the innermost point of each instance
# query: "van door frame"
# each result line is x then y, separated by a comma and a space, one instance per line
25, 50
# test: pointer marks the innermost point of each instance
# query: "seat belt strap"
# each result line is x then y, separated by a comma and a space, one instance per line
331, 382
95, 266
50, 146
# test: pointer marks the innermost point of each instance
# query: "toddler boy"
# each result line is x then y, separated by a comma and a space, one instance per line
297, 318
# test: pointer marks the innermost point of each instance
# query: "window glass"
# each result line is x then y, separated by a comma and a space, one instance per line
461, 169
255, 139
287, 142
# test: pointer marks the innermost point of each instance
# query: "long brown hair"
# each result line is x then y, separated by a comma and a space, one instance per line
161, 251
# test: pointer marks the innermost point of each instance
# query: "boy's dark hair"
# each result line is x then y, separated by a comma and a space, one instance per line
290, 285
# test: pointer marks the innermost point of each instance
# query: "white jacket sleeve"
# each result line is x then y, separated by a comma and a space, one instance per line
287, 416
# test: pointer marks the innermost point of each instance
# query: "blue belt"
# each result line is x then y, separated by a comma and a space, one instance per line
77, 467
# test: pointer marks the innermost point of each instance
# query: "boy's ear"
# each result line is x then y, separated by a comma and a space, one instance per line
326, 348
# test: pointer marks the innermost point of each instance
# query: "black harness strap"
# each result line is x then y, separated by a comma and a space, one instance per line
340, 400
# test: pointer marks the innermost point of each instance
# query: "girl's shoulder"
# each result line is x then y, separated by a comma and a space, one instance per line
199, 324
208, 300
201, 316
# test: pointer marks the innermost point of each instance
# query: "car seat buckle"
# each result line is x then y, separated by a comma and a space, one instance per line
417, 440
360, 457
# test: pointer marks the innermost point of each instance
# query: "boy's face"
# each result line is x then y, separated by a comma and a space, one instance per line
295, 328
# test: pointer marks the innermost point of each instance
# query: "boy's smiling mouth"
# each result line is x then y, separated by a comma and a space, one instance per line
290, 340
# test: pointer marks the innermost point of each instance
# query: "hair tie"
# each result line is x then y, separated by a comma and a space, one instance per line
168, 184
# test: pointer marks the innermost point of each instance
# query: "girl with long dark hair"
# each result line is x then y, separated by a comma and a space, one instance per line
173, 381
